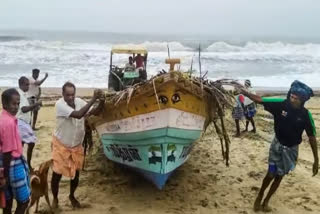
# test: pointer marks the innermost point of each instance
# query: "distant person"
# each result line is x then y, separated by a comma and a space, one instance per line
139, 60
244, 108
291, 119
238, 112
130, 66
24, 117
249, 107
34, 93
16, 184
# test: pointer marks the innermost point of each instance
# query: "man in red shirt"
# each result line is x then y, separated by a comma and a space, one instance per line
16, 172
139, 60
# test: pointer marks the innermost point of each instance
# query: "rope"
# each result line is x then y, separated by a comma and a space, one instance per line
155, 91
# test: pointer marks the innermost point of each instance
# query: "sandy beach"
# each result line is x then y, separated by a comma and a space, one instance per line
202, 185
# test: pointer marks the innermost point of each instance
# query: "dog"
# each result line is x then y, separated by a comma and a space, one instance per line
39, 185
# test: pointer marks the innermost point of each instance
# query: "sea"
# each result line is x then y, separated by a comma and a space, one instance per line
84, 57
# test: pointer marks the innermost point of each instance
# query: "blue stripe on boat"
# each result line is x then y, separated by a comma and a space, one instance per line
154, 153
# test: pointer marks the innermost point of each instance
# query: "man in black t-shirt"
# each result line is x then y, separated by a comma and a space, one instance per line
291, 118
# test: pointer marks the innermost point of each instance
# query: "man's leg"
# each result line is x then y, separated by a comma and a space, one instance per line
55, 180
265, 183
8, 208
253, 125
35, 117
21, 207
238, 128
247, 125
73, 186
272, 190
29, 154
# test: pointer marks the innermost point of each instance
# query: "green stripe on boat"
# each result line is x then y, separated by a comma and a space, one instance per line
272, 99
163, 152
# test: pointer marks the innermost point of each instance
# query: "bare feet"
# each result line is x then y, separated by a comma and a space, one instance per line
257, 203
266, 208
74, 202
237, 135
55, 203
253, 130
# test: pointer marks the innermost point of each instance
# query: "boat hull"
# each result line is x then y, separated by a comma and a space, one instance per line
154, 144
153, 128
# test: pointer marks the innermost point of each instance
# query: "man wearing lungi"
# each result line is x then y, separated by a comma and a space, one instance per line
291, 118
24, 118
16, 172
67, 150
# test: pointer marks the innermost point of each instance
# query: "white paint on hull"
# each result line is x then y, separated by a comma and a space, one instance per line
170, 117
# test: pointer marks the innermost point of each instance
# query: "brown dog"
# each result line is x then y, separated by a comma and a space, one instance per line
39, 185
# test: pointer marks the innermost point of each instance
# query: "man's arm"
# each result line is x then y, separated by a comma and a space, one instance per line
253, 97
80, 113
39, 82
6, 165
314, 148
26, 109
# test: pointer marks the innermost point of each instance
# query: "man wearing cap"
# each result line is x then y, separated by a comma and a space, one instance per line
35, 92
291, 118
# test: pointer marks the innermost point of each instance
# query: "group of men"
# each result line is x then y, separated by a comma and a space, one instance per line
244, 108
291, 119
17, 129
139, 60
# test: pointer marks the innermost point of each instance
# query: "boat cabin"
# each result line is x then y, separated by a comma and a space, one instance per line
133, 72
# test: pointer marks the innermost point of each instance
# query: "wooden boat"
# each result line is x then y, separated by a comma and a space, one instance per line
152, 126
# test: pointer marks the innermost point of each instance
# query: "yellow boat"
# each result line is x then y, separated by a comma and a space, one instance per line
152, 125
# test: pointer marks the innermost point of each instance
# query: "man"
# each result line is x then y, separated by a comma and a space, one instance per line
24, 118
139, 60
249, 108
291, 118
67, 150
238, 112
16, 171
130, 66
35, 92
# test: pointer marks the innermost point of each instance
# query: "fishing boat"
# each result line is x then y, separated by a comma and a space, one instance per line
153, 125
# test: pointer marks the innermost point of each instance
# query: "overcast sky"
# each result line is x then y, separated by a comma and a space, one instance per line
297, 18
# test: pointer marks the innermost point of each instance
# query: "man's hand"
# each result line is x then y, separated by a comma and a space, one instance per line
314, 148
315, 168
2, 183
97, 94
102, 98
39, 103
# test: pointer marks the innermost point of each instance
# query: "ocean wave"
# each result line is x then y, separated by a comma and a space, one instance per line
40, 44
11, 38
88, 63
261, 47
163, 46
